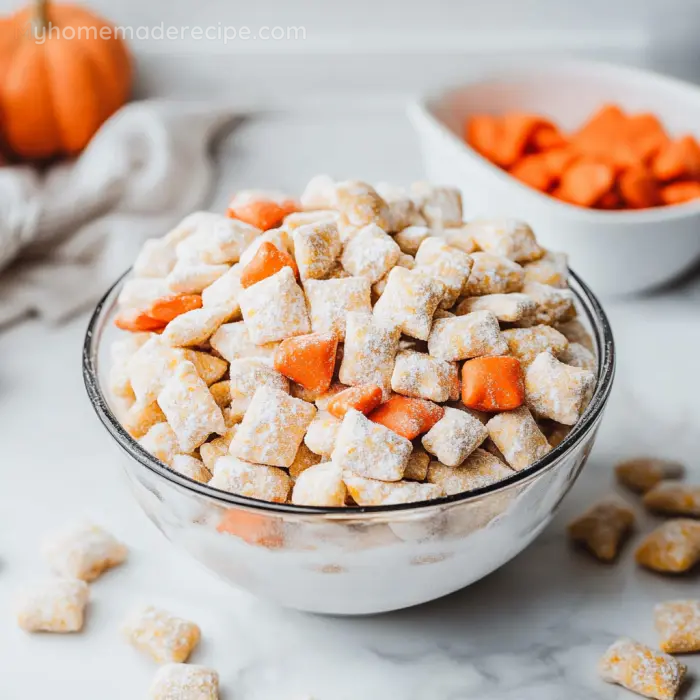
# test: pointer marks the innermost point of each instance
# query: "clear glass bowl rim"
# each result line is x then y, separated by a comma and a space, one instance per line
606, 370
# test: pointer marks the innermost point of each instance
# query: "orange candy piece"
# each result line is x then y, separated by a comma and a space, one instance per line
493, 384
268, 260
406, 416
680, 158
251, 528
263, 213
679, 192
533, 171
364, 398
585, 182
638, 188
137, 321
308, 360
482, 133
546, 137
167, 308
515, 132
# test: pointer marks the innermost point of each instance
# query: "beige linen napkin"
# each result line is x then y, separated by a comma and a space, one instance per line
67, 233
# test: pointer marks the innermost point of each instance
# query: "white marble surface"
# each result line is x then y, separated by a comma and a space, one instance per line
531, 631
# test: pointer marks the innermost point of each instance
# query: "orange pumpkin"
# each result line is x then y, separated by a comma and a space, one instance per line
63, 72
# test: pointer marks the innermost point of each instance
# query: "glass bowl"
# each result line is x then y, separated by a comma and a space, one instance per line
352, 561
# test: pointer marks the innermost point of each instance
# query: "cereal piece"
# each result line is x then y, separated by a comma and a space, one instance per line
193, 277
320, 485
304, 218
673, 547
678, 623
575, 332
331, 300
190, 408
409, 302
191, 467
450, 265
155, 259
642, 670
319, 193
459, 237
372, 492
211, 451
304, 459
508, 238
493, 384
161, 635
370, 253
369, 449
224, 292
309, 360
167, 308
139, 292
316, 247
404, 261
369, 352
268, 260
121, 351
417, 467
554, 305
554, 432
360, 205
161, 442
578, 355
55, 606
422, 376
402, 209
232, 341
473, 335
251, 480
641, 474
557, 391
454, 437
364, 398
441, 206
493, 274
184, 682
272, 428
670, 498
322, 434
275, 308
246, 376
187, 227
410, 238
406, 416
221, 391
527, 343
209, 367
551, 269
603, 528
507, 308
518, 437
140, 418
281, 238
216, 240
480, 469
195, 327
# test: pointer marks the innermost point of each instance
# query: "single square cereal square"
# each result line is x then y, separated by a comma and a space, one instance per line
372, 492
575, 332
678, 624
322, 433
551, 269
303, 459
460, 237
193, 277
475, 334
139, 418
493, 274
217, 239
480, 469
508, 238
369, 449
640, 474
409, 301
82, 551
331, 300
320, 485
554, 305
155, 259
191, 467
184, 682
209, 367
642, 670
272, 429
451, 266
578, 355
319, 193
422, 376
405, 261
225, 292
454, 437
141, 292
247, 375
670, 498
518, 437
161, 635
527, 343
55, 606
252, 480
508, 308
275, 308
190, 408
369, 352
232, 341
403, 211
360, 204
417, 467
150, 367
441, 206
410, 238
370, 253
161, 442
673, 547
316, 246
603, 528
195, 327
557, 391
211, 451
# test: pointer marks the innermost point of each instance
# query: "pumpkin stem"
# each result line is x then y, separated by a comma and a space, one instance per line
41, 16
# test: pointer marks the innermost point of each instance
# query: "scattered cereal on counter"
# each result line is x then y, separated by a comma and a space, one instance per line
670, 498
641, 474
55, 606
184, 682
673, 547
603, 528
678, 624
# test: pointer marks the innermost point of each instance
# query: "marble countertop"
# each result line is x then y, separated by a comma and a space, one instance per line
533, 630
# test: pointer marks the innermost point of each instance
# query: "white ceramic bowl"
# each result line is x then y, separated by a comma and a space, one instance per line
616, 252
